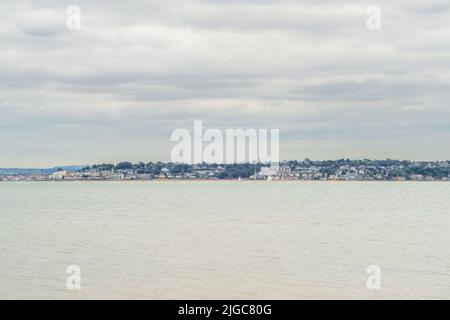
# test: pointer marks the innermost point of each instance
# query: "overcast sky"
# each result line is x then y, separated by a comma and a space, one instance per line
136, 70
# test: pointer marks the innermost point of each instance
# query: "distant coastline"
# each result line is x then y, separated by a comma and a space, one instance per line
305, 170
226, 181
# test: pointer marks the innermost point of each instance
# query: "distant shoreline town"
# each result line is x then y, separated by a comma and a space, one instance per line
333, 170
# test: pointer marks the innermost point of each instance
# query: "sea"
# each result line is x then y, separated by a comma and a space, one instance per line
224, 240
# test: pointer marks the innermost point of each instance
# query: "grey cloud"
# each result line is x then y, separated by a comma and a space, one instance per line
432, 7
140, 69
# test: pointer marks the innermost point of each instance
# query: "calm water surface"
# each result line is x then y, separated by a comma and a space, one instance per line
293, 240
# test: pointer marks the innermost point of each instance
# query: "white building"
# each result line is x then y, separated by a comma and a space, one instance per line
58, 175
269, 171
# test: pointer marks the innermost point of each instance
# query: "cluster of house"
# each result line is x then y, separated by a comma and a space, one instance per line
112, 175
350, 173
345, 173
308, 173
283, 171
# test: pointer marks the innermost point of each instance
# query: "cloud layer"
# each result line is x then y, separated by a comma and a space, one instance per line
136, 70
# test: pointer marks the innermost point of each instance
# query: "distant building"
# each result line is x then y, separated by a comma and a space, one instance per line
269, 171
417, 177
58, 175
